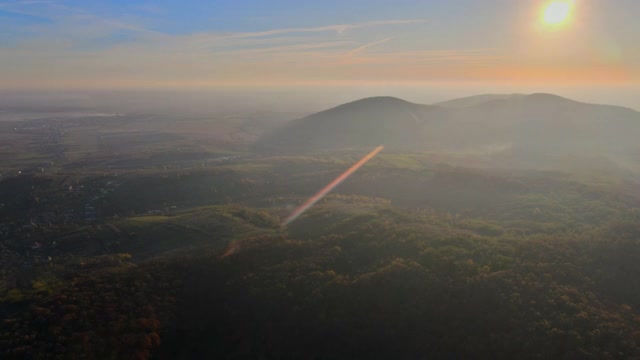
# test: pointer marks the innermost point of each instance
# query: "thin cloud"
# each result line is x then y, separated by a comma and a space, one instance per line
294, 48
366, 46
207, 39
83, 23
30, 2
341, 28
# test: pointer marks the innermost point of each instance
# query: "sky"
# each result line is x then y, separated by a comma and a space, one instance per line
71, 44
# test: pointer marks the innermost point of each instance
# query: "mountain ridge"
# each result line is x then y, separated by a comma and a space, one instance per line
474, 100
540, 122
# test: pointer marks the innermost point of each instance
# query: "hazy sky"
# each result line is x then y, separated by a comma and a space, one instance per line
189, 44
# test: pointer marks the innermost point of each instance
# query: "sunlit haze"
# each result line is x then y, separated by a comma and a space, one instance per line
499, 44
320, 179
557, 12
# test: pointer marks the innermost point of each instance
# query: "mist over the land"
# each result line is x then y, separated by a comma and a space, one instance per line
302, 100
510, 130
537, 131
158, 224
326, 180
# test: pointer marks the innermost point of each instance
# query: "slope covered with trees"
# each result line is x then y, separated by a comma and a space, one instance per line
411, 257
534, 131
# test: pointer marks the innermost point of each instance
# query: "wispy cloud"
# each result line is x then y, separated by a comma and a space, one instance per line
298, 47
340, 28
28, 2
366, 46
57, 53
206, 39
72, 21
70, 42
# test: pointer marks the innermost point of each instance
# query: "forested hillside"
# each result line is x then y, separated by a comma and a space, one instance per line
407, 259
529, 131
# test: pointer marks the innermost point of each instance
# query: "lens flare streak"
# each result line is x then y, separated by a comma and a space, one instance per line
322, 193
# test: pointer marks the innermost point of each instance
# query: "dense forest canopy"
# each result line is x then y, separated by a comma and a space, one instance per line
162, 244
448, 262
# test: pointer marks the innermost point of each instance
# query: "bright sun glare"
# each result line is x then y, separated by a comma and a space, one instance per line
557, 12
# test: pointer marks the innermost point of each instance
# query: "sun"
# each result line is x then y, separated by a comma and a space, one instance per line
557, 12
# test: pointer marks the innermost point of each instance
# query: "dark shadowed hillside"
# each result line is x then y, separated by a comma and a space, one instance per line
544, 123
538, 125
366, 122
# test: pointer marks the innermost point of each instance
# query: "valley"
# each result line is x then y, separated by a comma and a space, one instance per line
161, 237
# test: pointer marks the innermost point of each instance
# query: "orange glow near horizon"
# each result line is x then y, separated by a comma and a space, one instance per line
508, 73
541, 42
